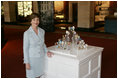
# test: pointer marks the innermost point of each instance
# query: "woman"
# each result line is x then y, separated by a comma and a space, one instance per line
34, 49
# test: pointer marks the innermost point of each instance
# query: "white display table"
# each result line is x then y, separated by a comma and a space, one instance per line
79, 64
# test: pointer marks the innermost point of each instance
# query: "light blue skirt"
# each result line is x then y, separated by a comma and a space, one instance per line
37, 66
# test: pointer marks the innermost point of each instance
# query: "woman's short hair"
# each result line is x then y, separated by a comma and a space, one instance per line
34, 15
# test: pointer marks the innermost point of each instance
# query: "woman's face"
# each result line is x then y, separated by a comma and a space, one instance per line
35, 22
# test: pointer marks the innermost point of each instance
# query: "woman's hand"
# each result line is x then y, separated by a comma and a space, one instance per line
27, 65
49, 54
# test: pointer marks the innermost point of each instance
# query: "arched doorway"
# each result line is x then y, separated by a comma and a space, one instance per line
61, 11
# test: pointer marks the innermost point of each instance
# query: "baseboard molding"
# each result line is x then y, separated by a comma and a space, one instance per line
85, 29
16, 23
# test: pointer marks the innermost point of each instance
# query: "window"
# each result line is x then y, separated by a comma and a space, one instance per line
24, 8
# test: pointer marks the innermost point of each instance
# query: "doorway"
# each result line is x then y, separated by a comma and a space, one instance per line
75, 6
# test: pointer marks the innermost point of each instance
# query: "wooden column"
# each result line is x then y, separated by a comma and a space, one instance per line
70, 12
85, 14
35, 6
9, 11
66, 8
113, 7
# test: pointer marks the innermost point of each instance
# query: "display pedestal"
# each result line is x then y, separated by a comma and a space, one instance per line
84, 63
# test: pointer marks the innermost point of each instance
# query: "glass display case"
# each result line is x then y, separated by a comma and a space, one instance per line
102, 10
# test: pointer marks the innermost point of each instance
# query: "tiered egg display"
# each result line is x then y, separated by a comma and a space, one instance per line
71, 40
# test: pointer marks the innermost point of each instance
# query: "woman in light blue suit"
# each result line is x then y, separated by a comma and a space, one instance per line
34, 49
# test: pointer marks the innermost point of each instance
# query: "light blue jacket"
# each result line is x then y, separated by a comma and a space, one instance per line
33, 44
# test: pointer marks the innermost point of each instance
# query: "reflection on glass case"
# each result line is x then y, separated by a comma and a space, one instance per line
24, 8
